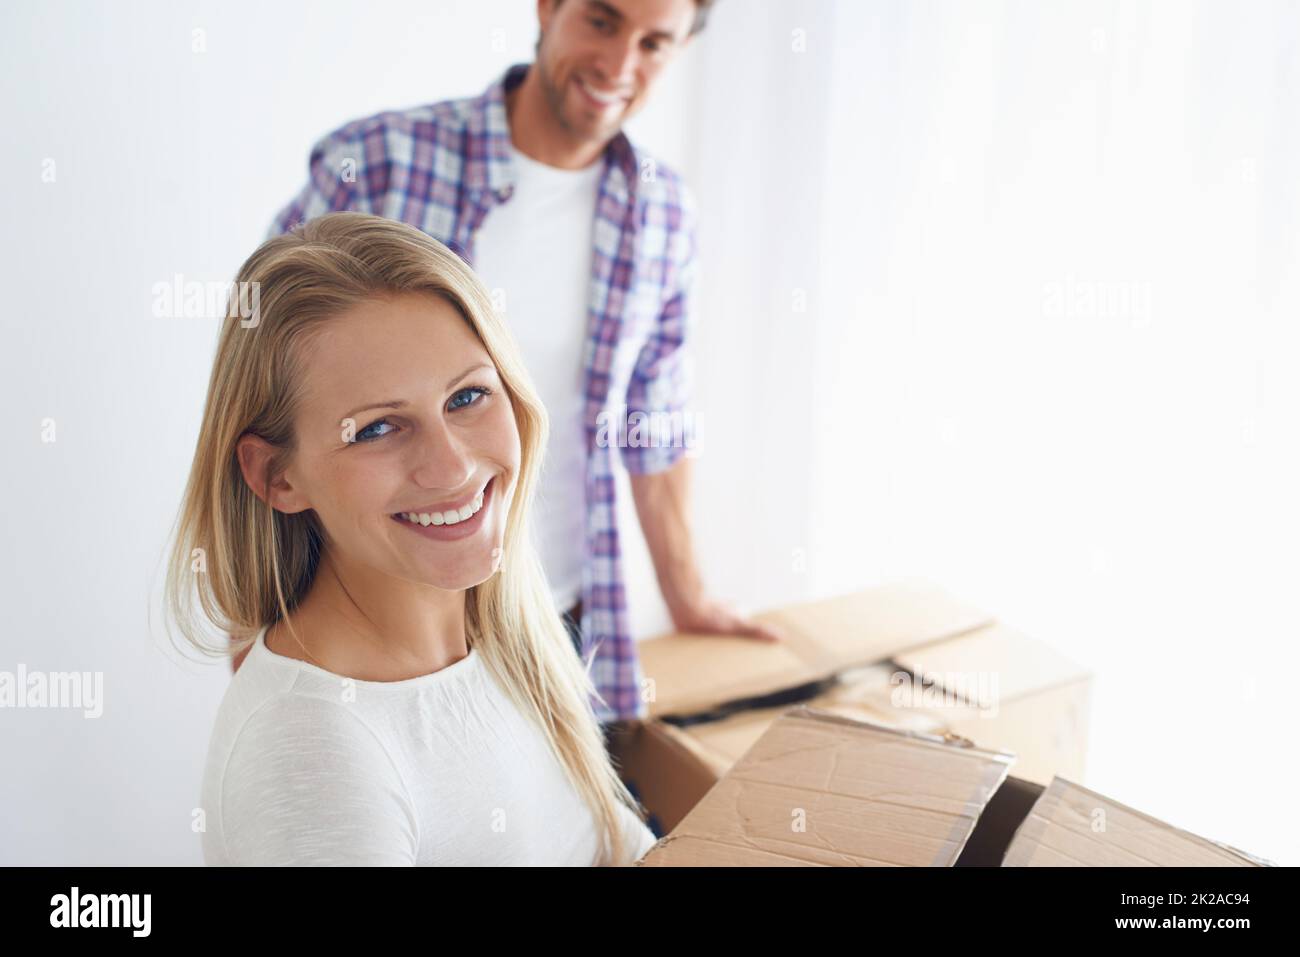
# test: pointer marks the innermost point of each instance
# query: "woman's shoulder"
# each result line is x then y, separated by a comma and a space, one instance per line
301, 717
301, 776
272, 695
303, 733
277, 718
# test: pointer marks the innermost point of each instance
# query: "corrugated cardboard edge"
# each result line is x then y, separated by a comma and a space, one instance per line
816, 714
1045, 816
961, 831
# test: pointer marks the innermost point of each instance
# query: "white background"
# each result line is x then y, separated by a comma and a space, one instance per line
913, 220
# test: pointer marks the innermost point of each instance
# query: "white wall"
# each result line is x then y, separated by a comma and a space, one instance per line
929, 178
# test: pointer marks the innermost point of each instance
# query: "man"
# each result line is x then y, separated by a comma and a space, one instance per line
588, 244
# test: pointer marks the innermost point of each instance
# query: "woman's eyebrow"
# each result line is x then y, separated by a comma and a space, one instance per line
474, 368
399, 403
386, 404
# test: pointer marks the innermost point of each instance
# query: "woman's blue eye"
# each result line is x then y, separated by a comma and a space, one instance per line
365, 435
472, 390
471, 394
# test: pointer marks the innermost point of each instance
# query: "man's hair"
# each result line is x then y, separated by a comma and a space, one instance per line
702, 8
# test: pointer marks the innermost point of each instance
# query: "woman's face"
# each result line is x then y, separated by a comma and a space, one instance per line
408, 448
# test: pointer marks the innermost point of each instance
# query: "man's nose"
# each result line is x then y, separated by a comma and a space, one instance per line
443, 462
618, 61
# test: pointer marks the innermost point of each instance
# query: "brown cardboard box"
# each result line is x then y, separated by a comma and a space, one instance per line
687, 674
861, 655
992, 685
822, 789
1070, 826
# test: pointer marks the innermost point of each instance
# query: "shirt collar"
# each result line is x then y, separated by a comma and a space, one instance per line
488, 165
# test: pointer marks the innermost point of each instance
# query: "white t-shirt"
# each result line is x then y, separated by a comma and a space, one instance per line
437, 770
534, 251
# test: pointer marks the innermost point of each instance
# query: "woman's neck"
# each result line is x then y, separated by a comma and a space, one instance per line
361, 624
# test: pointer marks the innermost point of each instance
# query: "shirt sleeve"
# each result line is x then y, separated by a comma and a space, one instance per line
308, 783
660, 425
637, 837
336, 180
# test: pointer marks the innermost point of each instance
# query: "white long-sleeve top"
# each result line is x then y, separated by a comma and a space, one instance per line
306, 767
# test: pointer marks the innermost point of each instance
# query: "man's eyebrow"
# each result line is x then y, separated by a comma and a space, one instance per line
401, 403
615, 14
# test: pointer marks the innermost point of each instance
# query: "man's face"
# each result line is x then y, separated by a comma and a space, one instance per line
598, 59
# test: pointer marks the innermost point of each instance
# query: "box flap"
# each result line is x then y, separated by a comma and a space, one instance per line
992, 659
823, 789
1070, 826
692, 673
880, 694
687, 674
860, 693
729, 738
664, 770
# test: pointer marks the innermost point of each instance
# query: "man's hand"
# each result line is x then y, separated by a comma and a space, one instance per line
714, 618
662, 506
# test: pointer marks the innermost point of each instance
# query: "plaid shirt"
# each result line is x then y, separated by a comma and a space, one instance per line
442, 168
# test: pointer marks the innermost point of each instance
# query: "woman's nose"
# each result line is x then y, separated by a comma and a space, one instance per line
442, 460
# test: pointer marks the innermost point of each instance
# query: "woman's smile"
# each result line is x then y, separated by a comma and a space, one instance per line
450, 523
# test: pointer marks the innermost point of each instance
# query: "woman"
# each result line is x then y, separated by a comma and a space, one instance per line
357, 519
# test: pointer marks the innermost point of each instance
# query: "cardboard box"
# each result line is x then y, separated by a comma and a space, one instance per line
689, 674
909, 655
1070, 826
821, 789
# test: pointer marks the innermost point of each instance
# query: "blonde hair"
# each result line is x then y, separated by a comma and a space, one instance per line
259, 562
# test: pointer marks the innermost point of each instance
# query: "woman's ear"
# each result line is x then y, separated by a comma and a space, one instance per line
256, 456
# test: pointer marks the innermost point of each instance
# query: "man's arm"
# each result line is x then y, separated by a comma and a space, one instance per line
663, 507
659, 393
